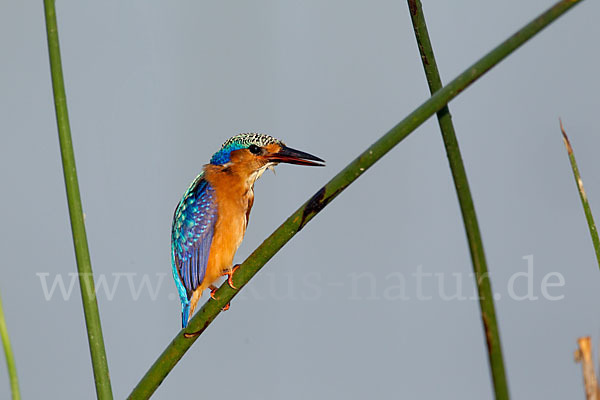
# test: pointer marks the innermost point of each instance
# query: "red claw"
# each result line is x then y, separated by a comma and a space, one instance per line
213, 289
230, 276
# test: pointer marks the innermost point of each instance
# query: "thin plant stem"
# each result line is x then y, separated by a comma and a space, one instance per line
10, 359
82, 254
583, 355
461, 184
584, 200
209, 311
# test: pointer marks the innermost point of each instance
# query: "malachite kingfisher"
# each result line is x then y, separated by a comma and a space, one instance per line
210, 220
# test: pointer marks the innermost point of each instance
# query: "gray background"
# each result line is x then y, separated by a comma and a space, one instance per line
154, 88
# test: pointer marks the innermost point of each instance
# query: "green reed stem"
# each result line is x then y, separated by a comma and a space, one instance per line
82, 254
582, 195
10, 359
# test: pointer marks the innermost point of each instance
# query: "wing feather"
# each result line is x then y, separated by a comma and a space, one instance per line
191, 236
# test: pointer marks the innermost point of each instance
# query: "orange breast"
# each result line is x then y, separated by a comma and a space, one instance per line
234, 198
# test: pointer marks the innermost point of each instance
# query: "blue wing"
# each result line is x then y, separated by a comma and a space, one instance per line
191, 238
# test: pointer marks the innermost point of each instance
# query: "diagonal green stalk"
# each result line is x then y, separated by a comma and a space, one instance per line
461, 183
82, 254
10, 359
582, 195
209, 311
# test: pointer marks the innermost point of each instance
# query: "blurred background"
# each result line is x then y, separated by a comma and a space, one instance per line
375, 295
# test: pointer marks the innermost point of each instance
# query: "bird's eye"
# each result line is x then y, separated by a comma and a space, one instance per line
254, 149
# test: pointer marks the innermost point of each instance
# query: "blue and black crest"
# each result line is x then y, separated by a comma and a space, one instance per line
241, 141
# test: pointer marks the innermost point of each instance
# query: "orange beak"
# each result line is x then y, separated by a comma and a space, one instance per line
292, 156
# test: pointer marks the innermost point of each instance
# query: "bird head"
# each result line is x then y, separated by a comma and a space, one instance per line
253, 153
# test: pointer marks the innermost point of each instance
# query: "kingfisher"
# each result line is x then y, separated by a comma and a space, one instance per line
210, 220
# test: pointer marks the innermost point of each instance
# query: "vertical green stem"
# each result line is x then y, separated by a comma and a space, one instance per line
484, 288
10, 359
584, 200
82, 255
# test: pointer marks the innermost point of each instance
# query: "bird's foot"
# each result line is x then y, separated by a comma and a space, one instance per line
230, 282
213, 289
230, 276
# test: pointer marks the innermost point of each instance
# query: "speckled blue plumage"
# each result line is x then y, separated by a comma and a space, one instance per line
191, 238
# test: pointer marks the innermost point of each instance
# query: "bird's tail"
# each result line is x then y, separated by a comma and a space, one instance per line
185, 313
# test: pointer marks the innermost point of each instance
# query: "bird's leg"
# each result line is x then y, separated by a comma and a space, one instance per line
229, 275
213, 289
